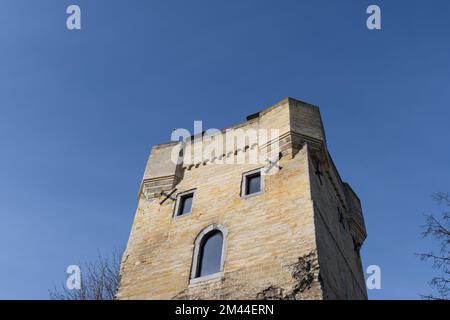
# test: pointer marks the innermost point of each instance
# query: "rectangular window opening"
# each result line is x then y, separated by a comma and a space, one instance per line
185, 204
252, 183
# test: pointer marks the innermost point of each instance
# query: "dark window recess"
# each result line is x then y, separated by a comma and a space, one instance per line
210, 255
341, 217
253, 183
318, 172
185, 205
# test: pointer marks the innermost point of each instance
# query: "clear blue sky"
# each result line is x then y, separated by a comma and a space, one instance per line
79, 111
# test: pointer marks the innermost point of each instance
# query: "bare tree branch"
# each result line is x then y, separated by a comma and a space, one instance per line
438, 228
99, 281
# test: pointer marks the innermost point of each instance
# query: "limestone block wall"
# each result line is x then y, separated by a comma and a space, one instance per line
288, 242
267, 235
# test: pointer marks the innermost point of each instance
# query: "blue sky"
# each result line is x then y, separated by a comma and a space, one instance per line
80, 110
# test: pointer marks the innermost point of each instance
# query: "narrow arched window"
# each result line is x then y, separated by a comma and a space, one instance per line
210, 254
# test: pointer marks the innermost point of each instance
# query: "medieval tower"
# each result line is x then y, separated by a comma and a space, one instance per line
286, 227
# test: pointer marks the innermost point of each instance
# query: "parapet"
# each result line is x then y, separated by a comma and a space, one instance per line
291, 123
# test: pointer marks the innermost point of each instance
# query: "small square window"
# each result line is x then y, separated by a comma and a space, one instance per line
185, 204
252, 183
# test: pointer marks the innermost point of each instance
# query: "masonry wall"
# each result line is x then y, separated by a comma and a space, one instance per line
340, 264
289, 242
267, 234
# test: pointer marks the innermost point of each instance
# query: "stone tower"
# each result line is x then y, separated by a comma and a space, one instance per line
286, 227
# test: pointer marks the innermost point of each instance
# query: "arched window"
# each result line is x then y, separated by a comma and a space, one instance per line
209, 252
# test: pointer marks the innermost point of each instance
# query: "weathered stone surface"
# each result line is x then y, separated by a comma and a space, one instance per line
289, 242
